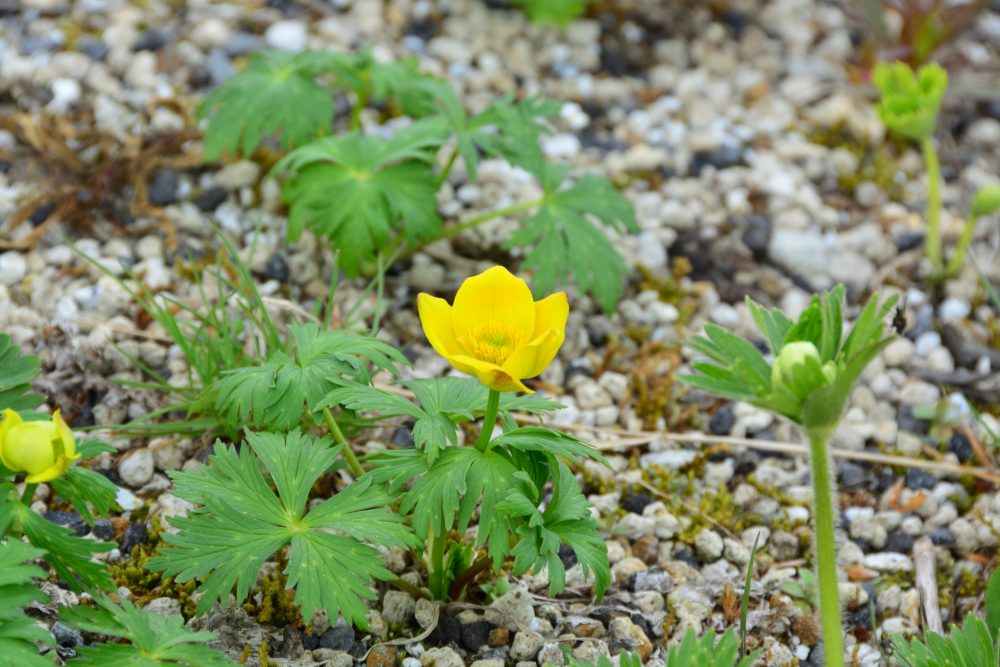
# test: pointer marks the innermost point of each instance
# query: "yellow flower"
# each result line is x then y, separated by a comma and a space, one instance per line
496, 331
43, 449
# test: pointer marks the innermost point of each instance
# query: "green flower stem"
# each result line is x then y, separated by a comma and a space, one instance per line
435, 565
359, 105
489, 420
475, 220
29, 493
447, 167
338, 437
826, 553
460, 227
955, 264
933, 240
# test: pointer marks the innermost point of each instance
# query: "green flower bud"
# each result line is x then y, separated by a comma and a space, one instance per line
800, 371
42, 449
910, 101
986, 201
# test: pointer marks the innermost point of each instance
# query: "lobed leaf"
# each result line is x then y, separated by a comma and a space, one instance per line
566, 242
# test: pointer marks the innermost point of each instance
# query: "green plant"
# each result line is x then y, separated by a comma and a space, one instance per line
16, 376
925, 26
558, 12
814, 370
624, 660
909, 106
373, 194
985, 202
18, 633
153, 640
241, 523
972, 644
708, 651
42, 448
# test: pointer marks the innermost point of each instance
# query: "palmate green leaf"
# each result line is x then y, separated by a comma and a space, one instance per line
68, 555
274, 95
447, 494
505, 129
417, 93
358, 190
242, 523
16, 374
970, 645
154, 640
565, 242
18, 633
993, 603
773, 323
274, 394
566, 519
443, 404
558, 12
84, 488
557, 443
708, 651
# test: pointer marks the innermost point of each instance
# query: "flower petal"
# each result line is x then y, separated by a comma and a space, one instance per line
495, 295
489, 374
532, 359
27, 447
551, 313
66, 433
436, 319
10, 420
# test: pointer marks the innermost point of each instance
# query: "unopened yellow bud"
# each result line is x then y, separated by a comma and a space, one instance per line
42, 449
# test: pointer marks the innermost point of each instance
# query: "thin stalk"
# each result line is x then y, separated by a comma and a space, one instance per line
356, 111
933, 241
958, 259
338, 437
826, 552
475, 220
489, 420
435, 564
29, 494
443, 176
415, 591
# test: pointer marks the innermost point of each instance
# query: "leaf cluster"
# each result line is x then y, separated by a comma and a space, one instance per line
709, 651
273, 395
557, 12
505, 483
16, 374
252, 504
976, 642
910, 100
442, 405
153, 640
374, 193
70, 556
736, 368
18, 633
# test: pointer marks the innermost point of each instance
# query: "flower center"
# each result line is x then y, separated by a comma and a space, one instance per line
493, 342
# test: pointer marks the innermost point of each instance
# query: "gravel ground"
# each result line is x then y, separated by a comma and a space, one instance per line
756, 167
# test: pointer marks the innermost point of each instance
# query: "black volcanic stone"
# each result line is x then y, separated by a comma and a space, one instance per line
942, 537
71, 520
337, 638
448, 631
899, 542
636, 503
919, 479
103, 530
960, 447
567, 555
475, 635
722, 421
135, 534
211, 198
163, 187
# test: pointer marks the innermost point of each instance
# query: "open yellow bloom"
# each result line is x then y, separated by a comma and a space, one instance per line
43, 449
496, 331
